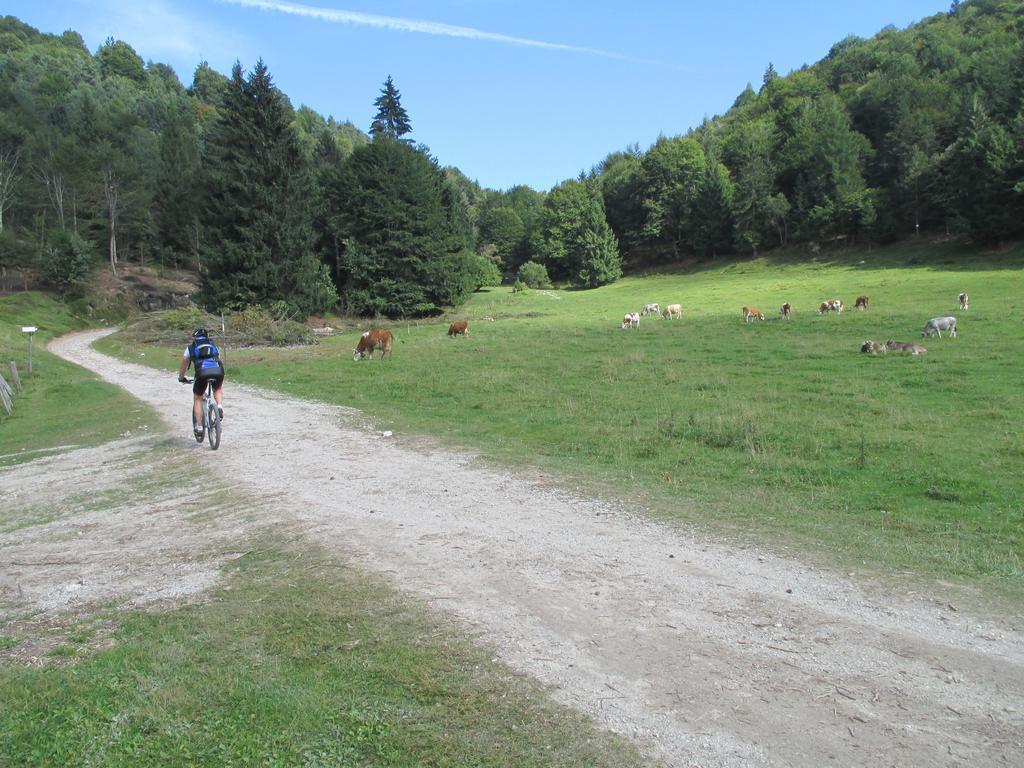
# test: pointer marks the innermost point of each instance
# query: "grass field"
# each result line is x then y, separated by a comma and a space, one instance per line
779, 431
61, 404
350, 675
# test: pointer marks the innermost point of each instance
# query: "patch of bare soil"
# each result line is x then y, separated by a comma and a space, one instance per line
705, 654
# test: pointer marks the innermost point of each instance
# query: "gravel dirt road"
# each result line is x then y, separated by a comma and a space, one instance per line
706, 654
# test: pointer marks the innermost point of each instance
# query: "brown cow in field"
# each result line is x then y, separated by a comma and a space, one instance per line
785, 310
458, 328
752, 313
861, 303
823, 308
964, 300
373, 340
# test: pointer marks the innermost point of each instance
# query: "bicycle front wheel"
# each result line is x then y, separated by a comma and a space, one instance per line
213, 432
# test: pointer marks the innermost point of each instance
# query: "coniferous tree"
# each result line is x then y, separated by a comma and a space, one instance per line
391, 120
402, 254
255, 230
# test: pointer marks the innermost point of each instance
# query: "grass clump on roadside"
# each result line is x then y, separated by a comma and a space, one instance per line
350, 674
779, 431
61, 404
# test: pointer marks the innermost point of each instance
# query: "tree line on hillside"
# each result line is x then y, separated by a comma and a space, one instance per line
105, 157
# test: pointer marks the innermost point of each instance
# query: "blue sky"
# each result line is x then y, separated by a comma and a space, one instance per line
509, 91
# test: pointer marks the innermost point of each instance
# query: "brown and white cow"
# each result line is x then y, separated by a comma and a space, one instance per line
752, 313
785, 310
631, 320
672, 311
964, 300
458, 328
836, 305
861, 303
902, 346
823, 308
872, 347
373, 340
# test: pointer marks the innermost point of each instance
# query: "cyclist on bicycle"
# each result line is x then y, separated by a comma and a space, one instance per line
202, 354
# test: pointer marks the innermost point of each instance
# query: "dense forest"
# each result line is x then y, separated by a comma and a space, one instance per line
105, 158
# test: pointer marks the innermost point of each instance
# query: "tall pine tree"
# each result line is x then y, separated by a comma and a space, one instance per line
255, 230
391, 120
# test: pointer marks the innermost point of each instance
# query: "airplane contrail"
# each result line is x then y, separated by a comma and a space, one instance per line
339, 16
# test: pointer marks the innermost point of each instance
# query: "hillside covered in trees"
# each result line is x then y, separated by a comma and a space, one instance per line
106, 158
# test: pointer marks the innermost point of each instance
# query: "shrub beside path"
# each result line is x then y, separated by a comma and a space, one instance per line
704, 653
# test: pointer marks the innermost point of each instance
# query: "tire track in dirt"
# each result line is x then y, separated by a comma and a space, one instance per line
705, 654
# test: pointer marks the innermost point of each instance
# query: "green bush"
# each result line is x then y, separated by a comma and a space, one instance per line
534, 275
68, 261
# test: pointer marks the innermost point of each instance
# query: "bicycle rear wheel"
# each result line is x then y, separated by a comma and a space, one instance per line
213, 432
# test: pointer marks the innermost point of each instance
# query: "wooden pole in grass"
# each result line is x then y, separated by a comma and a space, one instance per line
6, 396
15, 377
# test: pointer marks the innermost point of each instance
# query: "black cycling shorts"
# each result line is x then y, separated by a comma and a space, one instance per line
199, 383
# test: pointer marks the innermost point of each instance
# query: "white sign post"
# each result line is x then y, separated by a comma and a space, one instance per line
31, 331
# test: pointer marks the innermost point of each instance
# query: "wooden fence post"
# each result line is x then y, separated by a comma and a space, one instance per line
6, 398
15, 377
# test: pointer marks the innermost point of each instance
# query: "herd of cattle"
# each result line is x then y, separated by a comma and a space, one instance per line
383, 340
933, 327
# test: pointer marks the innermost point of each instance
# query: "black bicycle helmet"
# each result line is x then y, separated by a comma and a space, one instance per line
200, 333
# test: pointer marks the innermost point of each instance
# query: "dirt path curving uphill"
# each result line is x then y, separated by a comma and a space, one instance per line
706, 654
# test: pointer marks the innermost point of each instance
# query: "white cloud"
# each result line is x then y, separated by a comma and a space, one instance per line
339, 16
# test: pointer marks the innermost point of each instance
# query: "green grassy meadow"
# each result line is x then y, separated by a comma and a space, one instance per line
61, 404
351, 674
780, 431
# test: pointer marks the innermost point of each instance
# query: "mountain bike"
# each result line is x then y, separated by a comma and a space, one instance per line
211, 417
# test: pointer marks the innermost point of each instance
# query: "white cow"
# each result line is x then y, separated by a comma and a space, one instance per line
939, 324
673, 311
651, 309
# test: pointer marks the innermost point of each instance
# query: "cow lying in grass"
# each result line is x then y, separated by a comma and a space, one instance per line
872, 347
373, 340
902, 346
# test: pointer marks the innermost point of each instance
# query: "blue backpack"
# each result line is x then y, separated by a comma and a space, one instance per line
205, 357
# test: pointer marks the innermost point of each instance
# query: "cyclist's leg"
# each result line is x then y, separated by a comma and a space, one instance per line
198, 386
218, 393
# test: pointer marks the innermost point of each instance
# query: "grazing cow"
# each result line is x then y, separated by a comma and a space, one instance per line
458, 328
672, 311
902, 346
861, 303
823, 308
872, 347
964, 299
939, 324
651, 309
631, 320
752, 313
836, 305
372, 340
785, 309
